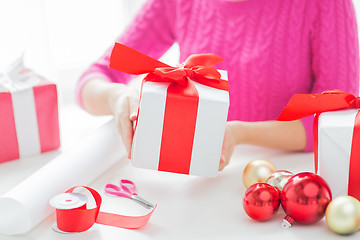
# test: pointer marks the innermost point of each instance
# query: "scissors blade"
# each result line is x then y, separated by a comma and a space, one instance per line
142, 201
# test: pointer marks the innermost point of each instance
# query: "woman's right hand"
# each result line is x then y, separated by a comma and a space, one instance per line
101, 97
125, 109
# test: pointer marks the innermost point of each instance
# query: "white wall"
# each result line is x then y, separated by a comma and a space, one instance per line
60, 35
61, 38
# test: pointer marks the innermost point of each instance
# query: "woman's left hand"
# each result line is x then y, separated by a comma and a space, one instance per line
290, 136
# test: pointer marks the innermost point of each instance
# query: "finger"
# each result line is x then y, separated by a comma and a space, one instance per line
133, 110
126, 130
124, 125
222, 166
222, 162
222, 158
133, 106
133, 116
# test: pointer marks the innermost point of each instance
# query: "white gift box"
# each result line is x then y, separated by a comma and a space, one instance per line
335, 141
208, 135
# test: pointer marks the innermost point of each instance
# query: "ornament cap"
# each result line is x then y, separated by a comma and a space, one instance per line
287, 222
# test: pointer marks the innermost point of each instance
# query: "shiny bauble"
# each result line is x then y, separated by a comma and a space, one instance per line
279, 178
305, 197
257, 171
343, 215
261, 201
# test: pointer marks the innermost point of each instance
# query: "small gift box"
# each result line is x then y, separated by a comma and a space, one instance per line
182, 112
28, 113
336, 137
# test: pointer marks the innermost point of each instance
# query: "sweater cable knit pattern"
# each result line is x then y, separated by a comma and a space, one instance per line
272, 48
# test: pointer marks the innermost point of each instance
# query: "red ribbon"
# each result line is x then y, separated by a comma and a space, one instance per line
181, 101
81, 219
303, 105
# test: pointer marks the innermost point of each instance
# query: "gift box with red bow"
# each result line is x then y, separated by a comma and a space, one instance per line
336, 136
182, 112
28, 113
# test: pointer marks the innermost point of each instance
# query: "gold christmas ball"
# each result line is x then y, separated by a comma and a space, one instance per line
279, 178
257, 171
343, 215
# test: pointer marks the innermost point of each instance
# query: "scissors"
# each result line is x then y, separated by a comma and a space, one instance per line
127, 189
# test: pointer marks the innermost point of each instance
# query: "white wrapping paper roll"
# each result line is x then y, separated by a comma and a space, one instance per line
26, 205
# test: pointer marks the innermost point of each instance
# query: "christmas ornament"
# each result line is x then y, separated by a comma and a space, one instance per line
257, 171
305, 198
279, 178
261, 201
343, 215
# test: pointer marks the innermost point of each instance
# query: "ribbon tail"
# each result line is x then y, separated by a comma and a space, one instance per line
316, 143
354, 176
120, 221
130, 61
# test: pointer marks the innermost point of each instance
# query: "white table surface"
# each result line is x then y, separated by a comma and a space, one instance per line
189, 207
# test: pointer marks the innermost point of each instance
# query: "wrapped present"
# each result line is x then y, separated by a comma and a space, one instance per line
28, 113
336, 136
182, 112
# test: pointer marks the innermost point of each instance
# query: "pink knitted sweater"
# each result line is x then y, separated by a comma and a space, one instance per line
272, 48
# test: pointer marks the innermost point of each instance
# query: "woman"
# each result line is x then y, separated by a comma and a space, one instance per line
272, 50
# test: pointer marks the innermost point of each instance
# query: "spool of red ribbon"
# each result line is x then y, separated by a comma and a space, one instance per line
72, 214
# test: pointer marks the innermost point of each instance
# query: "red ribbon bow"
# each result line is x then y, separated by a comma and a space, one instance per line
197, 67
303, 105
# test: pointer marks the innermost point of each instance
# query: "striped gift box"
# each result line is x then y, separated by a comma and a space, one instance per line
180, 138
28, 114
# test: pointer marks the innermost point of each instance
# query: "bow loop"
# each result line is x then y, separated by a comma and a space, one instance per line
206, 60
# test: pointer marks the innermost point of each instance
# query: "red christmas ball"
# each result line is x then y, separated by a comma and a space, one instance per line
261, 201
305, 197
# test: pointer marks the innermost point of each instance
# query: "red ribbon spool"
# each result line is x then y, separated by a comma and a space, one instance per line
80, 219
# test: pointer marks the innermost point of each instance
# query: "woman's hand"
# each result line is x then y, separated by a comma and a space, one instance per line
230, 141
290, 136
125, 109
100, 97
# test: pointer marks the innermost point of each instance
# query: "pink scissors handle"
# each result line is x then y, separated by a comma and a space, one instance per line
116, 190
127, 189
128, 186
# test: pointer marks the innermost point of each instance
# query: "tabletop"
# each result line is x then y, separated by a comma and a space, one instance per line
188, 207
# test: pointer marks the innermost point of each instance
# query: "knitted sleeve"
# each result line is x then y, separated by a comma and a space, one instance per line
335, 50
151, 33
